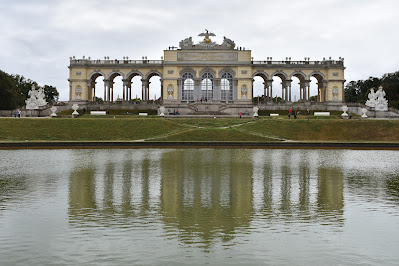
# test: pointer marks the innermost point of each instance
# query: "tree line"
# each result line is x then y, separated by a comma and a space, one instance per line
14, 91
357, 91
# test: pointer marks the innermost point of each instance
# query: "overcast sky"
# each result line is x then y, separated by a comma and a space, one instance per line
38, 37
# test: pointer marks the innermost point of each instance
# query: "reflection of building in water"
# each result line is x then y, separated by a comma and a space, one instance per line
122, 185
207, 193
330, 197
289, 187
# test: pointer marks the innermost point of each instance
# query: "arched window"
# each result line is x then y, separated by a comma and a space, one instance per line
207, 87
226, 86
187, 87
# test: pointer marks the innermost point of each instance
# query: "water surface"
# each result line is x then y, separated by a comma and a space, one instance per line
199, 206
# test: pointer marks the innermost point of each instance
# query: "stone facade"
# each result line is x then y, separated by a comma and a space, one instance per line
206, 71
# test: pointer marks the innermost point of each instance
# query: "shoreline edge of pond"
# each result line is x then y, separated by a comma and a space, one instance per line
204, 144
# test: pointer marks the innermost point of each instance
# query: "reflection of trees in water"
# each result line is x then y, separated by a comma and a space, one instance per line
207, 194
392, 184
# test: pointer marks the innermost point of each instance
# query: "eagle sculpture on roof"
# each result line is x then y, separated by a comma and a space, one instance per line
206, 35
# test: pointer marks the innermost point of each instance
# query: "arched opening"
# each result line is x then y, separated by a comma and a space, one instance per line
258, 88
296, 88
187, 87
98, 91
135, 90
277, 86
316, 87
155, 91
207, 87
117, 89
226, 87
313, 93
96, 85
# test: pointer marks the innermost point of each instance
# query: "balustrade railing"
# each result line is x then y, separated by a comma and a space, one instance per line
303, 63
114, 62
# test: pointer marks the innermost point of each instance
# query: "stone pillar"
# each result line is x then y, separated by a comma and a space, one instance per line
288, 90
217, 92
324, 91
106, 90
144, 89
197, 89
306, 90
179, 90
125, 88
160, 80
282, 91
270, 88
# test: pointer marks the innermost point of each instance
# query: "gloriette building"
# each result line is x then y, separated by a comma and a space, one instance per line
207, 72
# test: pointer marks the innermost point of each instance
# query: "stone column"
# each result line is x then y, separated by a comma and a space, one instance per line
106, 90
197, 89
288, 90
217, 92
235, 89
307, 88
324, 84
160, 80
282, 91
144, 87
270, 89
125, 88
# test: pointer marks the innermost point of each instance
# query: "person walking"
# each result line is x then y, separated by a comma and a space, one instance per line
19, 113
240, 114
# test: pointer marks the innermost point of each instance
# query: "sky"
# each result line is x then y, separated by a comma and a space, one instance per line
38, 37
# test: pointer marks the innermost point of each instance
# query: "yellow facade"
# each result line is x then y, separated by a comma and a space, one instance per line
206, 71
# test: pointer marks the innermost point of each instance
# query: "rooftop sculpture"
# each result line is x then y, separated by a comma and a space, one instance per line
207, 43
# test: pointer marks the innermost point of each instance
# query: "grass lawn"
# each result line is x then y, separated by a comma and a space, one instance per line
64, 129
133, 128
214, 134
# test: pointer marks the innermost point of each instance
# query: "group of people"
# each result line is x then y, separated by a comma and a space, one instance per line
295, 114
17, 113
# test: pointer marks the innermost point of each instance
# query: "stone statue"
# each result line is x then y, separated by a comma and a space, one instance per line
206, 35
255, 109
162, 111
228, 43
40, 98
207, 43
53, 110
372, 101
75, 108
31, 102
78, 93
344, 109
377, 100
382, 103
170, 91
188, 42
244, 91
335, 93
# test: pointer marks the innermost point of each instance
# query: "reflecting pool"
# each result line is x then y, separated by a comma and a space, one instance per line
199, 206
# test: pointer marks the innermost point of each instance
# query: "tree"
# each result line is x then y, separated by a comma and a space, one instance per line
50, 93
8, 95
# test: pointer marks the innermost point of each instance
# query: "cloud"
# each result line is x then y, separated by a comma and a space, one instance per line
37, 37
